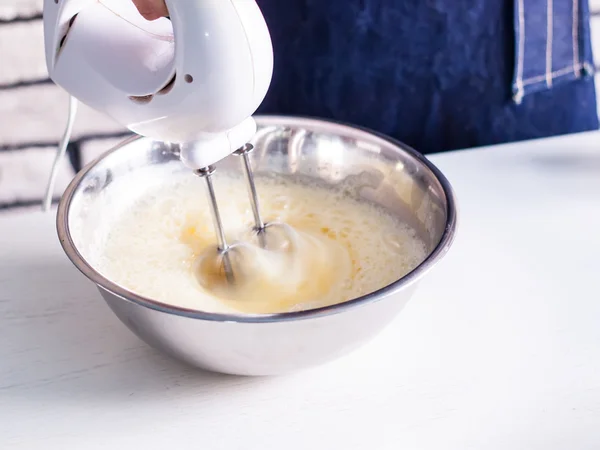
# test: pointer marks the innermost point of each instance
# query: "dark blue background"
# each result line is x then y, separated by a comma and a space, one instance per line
435, 74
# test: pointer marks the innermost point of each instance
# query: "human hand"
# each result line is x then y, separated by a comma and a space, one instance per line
151, 9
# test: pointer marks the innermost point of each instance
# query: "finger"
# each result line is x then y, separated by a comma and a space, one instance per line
151, 9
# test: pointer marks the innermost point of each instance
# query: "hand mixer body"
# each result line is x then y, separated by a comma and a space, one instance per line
196, 77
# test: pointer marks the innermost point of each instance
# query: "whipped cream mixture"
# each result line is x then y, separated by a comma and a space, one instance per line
332, 249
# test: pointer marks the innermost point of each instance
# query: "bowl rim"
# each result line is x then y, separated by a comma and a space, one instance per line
425, 266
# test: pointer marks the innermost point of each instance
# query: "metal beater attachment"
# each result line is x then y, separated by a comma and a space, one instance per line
271, 236
274, 236
224, 247
259, 225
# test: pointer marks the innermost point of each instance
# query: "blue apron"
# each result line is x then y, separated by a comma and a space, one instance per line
436, 74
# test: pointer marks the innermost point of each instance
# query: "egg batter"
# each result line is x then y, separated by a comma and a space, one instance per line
337, 248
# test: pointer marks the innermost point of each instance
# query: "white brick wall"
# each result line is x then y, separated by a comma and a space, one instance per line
33, 115
39, 113
22, 52
23, 172
9, 9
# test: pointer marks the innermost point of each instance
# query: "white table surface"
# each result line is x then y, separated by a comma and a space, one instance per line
499, 349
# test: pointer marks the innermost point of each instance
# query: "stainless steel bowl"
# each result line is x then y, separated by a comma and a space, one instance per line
376, 168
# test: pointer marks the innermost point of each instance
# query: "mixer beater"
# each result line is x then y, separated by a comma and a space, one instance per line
264, 231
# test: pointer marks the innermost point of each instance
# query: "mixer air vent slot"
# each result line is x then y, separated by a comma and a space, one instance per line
168, 87
66, 33
145, 99
141, 99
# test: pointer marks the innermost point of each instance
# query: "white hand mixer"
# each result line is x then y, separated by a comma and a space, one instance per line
194, 79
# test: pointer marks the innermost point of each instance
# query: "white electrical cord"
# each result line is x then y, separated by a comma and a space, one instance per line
60, 153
